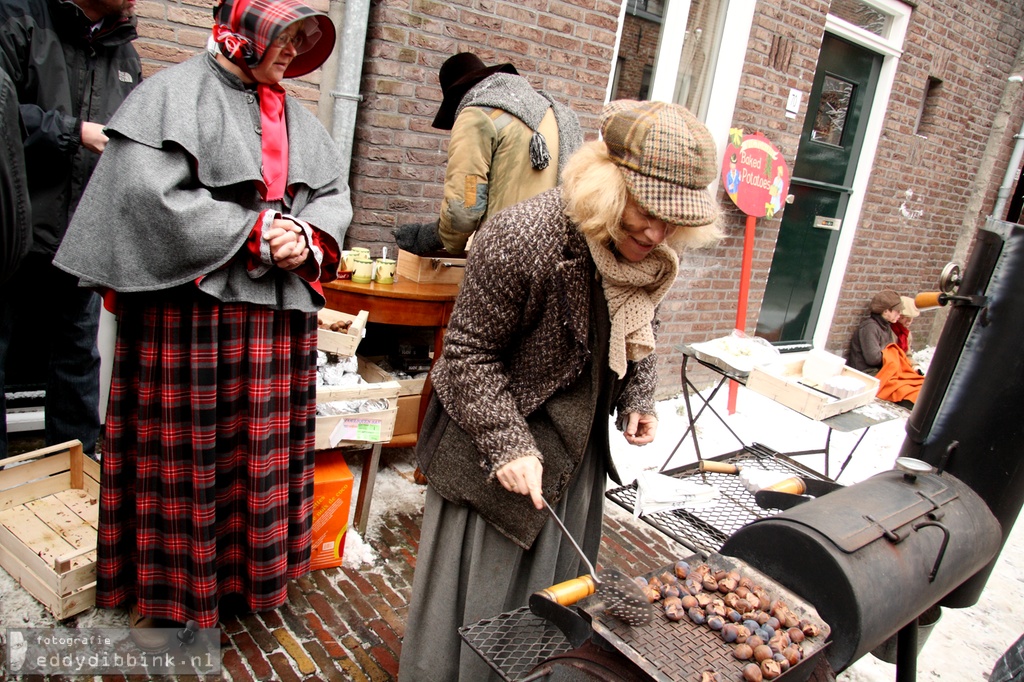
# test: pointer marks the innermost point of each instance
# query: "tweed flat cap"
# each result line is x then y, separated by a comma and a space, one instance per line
667, 157
887, 299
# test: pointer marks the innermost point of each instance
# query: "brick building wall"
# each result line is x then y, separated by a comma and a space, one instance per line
916, 206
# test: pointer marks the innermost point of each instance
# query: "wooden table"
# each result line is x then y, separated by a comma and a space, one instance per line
405, 303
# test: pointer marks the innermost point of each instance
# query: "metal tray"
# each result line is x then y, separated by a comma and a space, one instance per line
705, 530
678, 651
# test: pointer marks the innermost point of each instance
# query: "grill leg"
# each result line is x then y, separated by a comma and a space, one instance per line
906, 653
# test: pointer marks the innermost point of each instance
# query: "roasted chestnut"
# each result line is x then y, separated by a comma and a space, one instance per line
752, 673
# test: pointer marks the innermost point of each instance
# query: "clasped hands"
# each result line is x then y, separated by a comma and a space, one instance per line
288, 245
524, 475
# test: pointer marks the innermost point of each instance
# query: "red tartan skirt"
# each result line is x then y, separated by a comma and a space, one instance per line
207, 458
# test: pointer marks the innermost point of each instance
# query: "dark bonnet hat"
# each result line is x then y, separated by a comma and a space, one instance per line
458, 74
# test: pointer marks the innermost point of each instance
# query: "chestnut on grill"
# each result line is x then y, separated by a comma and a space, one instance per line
752, 673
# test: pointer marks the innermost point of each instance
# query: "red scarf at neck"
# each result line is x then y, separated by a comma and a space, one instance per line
274, 141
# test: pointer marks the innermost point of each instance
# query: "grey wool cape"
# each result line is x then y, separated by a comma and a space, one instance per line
206, 117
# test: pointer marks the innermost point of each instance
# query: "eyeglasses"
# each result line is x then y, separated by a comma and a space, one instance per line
296, 40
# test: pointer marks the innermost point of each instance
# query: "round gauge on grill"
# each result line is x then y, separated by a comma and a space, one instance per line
913, 466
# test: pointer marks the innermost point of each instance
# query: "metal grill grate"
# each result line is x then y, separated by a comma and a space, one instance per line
514, 643
704, 530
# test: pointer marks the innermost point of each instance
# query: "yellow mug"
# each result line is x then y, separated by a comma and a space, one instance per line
385, 273
363, 271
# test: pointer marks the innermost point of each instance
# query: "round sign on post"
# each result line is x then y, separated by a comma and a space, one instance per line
755, 175
756, 178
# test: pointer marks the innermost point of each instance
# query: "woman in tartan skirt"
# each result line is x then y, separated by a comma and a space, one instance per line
216, 213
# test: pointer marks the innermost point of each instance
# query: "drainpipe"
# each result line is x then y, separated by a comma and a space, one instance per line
1011, 169
346, 84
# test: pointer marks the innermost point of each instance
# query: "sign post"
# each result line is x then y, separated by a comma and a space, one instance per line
756, 178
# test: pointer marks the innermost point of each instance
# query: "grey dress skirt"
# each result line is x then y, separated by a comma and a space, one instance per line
467, 570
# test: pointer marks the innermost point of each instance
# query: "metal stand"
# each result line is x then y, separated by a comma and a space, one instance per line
864, 417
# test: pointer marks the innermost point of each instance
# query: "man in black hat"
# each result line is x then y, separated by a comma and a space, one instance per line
508, 143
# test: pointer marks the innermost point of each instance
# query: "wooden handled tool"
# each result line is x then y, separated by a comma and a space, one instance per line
928, 299
714, 467
571, 591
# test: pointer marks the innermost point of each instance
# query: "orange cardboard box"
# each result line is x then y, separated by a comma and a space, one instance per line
332, 497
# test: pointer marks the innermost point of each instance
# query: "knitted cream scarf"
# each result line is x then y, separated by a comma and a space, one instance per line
633, 291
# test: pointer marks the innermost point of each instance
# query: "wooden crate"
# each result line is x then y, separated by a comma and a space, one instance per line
337, 342
49, 513
784, 383
436, 269
377, 426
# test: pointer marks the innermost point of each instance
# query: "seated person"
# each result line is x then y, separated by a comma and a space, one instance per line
875, 332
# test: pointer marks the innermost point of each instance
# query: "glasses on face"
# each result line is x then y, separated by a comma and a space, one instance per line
296, 40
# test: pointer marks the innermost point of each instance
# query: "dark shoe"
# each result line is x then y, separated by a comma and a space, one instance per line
146, 633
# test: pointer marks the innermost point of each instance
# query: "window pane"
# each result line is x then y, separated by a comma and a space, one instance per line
831, 117
638, 49
700, 52
861, 14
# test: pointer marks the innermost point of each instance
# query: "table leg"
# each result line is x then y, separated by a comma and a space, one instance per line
366, 481
850, 456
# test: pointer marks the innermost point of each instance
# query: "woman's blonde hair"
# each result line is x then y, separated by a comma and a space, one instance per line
595, 196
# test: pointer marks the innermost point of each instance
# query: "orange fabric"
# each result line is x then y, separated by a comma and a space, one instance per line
897, 378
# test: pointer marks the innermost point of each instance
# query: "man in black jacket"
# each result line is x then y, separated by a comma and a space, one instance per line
72, 64
15, 211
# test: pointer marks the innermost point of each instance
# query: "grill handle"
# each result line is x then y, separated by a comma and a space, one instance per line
570, 591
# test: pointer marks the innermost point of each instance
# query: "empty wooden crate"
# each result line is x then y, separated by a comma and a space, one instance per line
48, 517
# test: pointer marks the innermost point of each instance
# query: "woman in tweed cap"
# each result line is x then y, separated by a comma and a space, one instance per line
215, 215
553, 332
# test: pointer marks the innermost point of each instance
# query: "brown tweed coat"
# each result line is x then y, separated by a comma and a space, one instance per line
519, 334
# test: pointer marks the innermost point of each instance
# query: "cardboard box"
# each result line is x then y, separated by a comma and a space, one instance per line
340, 343
332, 498
784, 383
407, 419
364, 427
437, 269
48, 519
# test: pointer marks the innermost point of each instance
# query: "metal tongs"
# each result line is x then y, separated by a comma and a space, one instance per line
622, 597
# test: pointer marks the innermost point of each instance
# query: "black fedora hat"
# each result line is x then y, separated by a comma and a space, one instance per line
458, 74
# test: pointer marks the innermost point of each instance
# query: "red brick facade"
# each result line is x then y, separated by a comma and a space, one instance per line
927, 194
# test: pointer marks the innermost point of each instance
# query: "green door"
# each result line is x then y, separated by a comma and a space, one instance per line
844, 85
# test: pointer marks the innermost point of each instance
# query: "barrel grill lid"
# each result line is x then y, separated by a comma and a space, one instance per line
852, 520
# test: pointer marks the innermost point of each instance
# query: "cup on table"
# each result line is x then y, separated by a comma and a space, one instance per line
385, 272
362, 272
352, 254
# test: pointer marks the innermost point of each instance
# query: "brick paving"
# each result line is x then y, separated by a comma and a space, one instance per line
347, 624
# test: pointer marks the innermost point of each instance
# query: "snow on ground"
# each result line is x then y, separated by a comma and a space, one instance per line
964, 645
